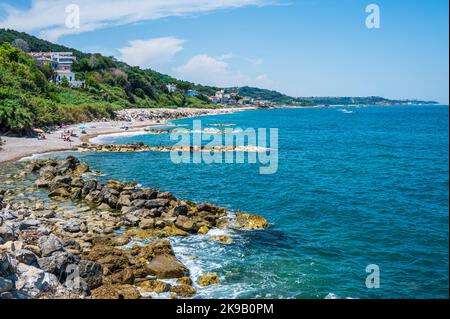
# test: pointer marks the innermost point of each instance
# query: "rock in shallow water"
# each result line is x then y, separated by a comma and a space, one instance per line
166, 266
250, 221
208, 279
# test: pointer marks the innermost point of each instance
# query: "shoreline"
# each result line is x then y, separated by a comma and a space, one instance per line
116, 234
16, 148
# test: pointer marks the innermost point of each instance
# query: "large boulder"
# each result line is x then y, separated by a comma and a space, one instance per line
29, 223
157, 247
50, 244
183, 291
7, 234
156, 203
166, 266
91, 273
32, 281
80, 169
116, 292
250, 221
25, 256
88, 187
57, 263
145, 193
72, 226
184, 223
154, 285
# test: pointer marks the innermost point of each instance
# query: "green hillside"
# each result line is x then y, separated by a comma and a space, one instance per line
28, 99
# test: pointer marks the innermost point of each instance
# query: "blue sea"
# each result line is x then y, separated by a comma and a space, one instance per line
354, 187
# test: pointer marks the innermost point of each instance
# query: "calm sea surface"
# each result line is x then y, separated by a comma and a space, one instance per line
366, 186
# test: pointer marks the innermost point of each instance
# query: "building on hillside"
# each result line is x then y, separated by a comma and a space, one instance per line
171, 88
191, 93
61, 63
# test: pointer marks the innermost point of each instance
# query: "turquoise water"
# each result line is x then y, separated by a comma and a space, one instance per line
352, 189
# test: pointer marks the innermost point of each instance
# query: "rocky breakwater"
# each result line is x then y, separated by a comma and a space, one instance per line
141, 147
110, 243
161, 114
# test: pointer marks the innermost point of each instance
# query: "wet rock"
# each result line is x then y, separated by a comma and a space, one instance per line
81, 168
59, 181
208, 279
32, 281
72, 226
125, 276
8, 265
173, 231
147, 223
156, 286
61, 192
203, 230
50, 244
124, 200
210, 208
250, 221
48, 172
180, 210
222, 239
166, 266
156, 203
91, 272
166, 195
26, 256
116, 292
184, 223
130, 220
88, 187
57, 263
145, 194
77, 182
29, 223
5, 285
157, 247
7, 234
42, 183
184, 281
69, 164
183, 291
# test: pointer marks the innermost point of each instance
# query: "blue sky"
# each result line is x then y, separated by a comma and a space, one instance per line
302, 48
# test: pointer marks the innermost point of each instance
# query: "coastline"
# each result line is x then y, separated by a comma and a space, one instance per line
16, 148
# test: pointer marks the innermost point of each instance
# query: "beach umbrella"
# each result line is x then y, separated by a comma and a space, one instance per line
82, 127
38, 130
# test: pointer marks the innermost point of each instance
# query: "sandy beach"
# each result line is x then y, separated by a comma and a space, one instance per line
16, 148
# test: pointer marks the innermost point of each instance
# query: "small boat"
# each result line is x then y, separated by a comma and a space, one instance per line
345, 111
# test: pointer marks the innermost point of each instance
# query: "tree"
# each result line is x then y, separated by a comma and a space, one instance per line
21, 45
65, 83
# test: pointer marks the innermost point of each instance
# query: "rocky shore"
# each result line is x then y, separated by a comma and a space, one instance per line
64, 234
163, 115
141, 147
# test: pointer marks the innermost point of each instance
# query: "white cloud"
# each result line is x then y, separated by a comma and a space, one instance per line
151, 53
48, 16
215, 71
256, 61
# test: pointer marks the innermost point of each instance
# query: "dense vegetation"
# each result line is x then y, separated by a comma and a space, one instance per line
28, 99
263, 94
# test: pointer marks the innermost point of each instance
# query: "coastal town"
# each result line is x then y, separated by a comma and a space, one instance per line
61, 64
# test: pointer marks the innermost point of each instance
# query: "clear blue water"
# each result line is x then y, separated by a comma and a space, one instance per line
352, 189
